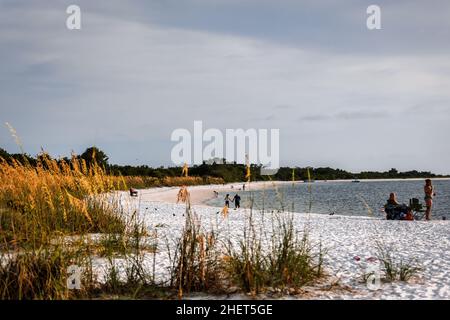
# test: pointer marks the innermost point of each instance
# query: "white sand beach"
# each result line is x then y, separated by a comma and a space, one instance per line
201, 194
351, 244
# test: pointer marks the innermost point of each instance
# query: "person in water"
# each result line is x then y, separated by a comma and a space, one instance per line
429, 194
237, 201
227, 200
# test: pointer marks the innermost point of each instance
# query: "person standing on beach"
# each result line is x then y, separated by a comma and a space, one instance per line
429, 194
237, 201
227, 200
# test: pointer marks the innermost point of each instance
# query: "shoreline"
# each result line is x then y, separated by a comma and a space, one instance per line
352, 243
349, 253
201, 194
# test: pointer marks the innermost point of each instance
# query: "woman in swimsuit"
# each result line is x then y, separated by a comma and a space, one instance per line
429, 194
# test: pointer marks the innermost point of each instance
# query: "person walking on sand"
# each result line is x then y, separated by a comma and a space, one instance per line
429, 194
227, 200
237, 201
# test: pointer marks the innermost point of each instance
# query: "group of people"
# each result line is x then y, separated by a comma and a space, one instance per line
396, 211
236, 199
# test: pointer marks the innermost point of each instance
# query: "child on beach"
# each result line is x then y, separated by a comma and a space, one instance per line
227, 200
429, 194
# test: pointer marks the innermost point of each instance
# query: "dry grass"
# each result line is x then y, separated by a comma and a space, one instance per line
195, 260
54, 198
395, 267
151, 182
291, 260
190, 181
138, 182
47, 213
204, 262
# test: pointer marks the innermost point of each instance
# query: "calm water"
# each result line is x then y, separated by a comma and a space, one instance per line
345, 198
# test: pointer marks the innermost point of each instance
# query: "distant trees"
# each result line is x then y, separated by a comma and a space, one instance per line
17, 156
94, 154
393, 172
4, 154
228, 171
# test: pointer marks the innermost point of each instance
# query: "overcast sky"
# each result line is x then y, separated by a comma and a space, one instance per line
341, 95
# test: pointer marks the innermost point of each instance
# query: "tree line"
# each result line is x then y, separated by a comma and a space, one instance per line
229, 172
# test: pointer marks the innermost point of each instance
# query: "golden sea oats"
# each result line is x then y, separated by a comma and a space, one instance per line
48, 198
15, 136
211, 240
62, 204
201, 240
366, 205
123, 182
309, 180
75, 164
65, 168
226, 258
183, 195
84, 167
32, 202
185, 170
225, 211
80, 205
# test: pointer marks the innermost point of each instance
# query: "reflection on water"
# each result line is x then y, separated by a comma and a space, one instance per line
348, 198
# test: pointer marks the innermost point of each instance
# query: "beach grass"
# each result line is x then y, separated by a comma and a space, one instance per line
396, 268
58, 214
291, 260
48, 214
